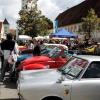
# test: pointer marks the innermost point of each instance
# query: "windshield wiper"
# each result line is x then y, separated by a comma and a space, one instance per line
63, 71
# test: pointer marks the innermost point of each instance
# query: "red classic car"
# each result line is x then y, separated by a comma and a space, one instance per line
21, 48
55, 59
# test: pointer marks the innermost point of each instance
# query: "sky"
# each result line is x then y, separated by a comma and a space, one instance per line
50, 8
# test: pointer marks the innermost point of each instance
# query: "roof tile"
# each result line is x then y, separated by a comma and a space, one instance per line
76, 13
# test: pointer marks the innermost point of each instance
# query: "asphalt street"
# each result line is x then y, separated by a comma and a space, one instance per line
8, 89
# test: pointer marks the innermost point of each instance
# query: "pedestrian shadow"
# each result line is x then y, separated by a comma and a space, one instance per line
10, 84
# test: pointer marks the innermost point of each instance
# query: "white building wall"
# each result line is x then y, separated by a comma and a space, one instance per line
75, 29
4, 29
2, 32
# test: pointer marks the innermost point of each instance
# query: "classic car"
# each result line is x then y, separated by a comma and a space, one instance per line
21, 48
54, 59
90, 50
45, 49
40, 62
78, 79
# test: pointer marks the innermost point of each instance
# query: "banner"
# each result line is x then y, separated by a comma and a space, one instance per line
55, 25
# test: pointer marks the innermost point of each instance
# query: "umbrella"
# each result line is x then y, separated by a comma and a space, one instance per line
64, 34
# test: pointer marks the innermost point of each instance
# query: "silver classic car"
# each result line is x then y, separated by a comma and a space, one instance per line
78, 79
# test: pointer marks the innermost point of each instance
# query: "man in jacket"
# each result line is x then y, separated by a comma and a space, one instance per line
7, 47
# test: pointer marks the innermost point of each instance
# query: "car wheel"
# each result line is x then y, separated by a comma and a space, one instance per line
52, 98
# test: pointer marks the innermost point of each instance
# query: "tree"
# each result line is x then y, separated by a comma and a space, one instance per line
32, 23
90, 23
44, 25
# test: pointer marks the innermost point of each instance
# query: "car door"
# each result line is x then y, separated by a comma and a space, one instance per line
67, 85
88, 87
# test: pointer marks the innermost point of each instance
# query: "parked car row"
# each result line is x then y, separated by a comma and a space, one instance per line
52, 56
58, 75
54, 59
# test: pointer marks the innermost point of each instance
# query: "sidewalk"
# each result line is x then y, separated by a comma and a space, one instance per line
8, 90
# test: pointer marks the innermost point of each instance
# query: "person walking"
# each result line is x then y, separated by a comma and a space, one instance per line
7, 46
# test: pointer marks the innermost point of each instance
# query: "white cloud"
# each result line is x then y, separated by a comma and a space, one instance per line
1, 13
48, 8
51, 8
9, 2
9, 9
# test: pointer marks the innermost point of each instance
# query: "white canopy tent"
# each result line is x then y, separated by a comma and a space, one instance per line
24, 37
39, 37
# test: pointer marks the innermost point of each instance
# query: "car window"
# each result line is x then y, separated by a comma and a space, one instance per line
66, 55
74, 67
45, 49
48, 46
55, 52
93, 71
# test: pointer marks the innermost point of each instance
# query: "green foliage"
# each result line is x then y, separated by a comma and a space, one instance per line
32, 23
90, 23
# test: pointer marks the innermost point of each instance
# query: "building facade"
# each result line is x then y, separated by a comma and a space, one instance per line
1, 29
71, 19
4, 28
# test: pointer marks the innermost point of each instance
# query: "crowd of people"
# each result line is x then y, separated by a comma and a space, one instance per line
9, 50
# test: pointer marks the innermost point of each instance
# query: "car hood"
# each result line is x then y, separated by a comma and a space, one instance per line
38, 76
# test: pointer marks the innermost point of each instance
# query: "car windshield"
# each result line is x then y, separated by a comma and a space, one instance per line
73, 68
47, 46
45, 49
54, 52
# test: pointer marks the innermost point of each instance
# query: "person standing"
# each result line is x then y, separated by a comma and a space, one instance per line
31, 45
7, 46
37, 49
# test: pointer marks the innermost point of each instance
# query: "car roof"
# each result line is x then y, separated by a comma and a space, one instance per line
90, 58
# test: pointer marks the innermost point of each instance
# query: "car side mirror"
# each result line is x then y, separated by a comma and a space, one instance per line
61, 79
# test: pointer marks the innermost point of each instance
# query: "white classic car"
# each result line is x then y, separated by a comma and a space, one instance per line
78, 79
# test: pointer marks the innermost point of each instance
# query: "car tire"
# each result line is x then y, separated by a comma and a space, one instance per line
52, 98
